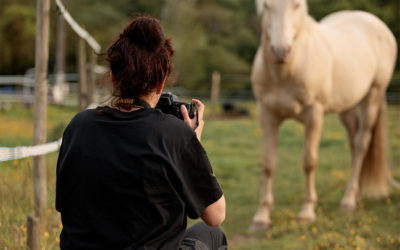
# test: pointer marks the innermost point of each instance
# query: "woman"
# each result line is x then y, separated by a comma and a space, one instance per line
128, 175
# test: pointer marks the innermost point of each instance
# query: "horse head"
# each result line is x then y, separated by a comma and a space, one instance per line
281, 21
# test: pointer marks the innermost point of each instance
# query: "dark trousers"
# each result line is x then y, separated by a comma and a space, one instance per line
203, 237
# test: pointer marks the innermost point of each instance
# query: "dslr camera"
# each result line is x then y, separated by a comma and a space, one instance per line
170, 104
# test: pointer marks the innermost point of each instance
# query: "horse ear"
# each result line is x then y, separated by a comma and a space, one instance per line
259, 6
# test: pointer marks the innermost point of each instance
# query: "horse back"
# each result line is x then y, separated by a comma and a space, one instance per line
361, 28
364, 52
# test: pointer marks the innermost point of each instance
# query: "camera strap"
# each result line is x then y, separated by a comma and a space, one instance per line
134, 102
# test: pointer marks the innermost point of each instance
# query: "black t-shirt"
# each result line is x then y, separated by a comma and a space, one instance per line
127, 180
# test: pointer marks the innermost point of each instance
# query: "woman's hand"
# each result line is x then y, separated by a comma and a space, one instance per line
197, 122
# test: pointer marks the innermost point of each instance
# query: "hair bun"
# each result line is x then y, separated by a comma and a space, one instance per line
146, 33
140, 58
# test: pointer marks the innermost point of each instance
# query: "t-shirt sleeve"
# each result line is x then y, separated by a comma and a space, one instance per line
200, 187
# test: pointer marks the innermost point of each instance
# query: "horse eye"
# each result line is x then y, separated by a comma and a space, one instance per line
296, 6
266, 6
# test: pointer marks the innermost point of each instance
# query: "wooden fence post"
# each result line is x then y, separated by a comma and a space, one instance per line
33, 230
83, 89
39, 137
40, 120
92, 82
215, 86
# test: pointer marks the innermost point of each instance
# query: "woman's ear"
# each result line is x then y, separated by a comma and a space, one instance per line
160, 86
112, 77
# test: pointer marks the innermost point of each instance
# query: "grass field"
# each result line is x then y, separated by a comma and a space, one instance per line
234, 147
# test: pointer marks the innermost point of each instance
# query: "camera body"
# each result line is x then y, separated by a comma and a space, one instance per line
170, 104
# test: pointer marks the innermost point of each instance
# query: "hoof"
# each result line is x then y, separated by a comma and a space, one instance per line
306, 217
348, 207
259, 225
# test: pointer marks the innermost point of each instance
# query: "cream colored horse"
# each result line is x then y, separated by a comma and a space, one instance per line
304, 69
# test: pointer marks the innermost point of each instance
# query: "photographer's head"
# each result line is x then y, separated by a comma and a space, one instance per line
140, 59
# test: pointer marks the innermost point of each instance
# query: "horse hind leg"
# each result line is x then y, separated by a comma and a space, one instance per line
368, 150
349, 119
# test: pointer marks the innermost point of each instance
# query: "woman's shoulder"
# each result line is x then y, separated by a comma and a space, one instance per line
82, 115
80, 119
169, 124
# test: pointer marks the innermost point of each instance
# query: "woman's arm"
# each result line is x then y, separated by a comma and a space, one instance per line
214, 214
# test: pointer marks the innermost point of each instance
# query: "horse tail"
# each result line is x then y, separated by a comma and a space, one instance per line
375, 175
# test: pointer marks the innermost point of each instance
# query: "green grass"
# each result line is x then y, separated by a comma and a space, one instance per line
234, 147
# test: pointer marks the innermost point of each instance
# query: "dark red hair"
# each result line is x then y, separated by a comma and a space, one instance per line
140, 58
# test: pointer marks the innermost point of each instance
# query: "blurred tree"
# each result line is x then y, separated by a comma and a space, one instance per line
17, 38
208, 34
104, 19
188, 38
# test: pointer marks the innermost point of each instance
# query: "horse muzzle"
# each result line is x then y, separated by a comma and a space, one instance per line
280, 53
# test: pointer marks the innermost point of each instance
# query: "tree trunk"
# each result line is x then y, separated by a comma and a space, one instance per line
83, 89
92, 82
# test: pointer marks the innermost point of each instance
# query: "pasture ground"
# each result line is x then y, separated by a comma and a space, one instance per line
234, 147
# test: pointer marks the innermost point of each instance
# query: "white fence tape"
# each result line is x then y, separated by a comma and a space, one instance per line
15, 153
78, 29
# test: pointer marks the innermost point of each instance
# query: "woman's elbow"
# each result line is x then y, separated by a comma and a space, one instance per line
214, 214
216, 221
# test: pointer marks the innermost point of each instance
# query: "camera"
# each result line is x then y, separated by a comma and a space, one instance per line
170, 104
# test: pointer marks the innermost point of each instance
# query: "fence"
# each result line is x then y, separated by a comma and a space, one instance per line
14, 153
20, 88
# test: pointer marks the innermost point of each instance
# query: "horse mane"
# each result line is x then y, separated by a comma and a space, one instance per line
259, 6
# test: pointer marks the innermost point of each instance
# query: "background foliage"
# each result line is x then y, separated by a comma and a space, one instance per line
208, 34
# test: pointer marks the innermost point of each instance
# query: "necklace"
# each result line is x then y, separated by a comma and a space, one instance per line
133, 102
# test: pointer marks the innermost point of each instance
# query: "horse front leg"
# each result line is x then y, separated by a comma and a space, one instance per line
313, 121
270, 126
